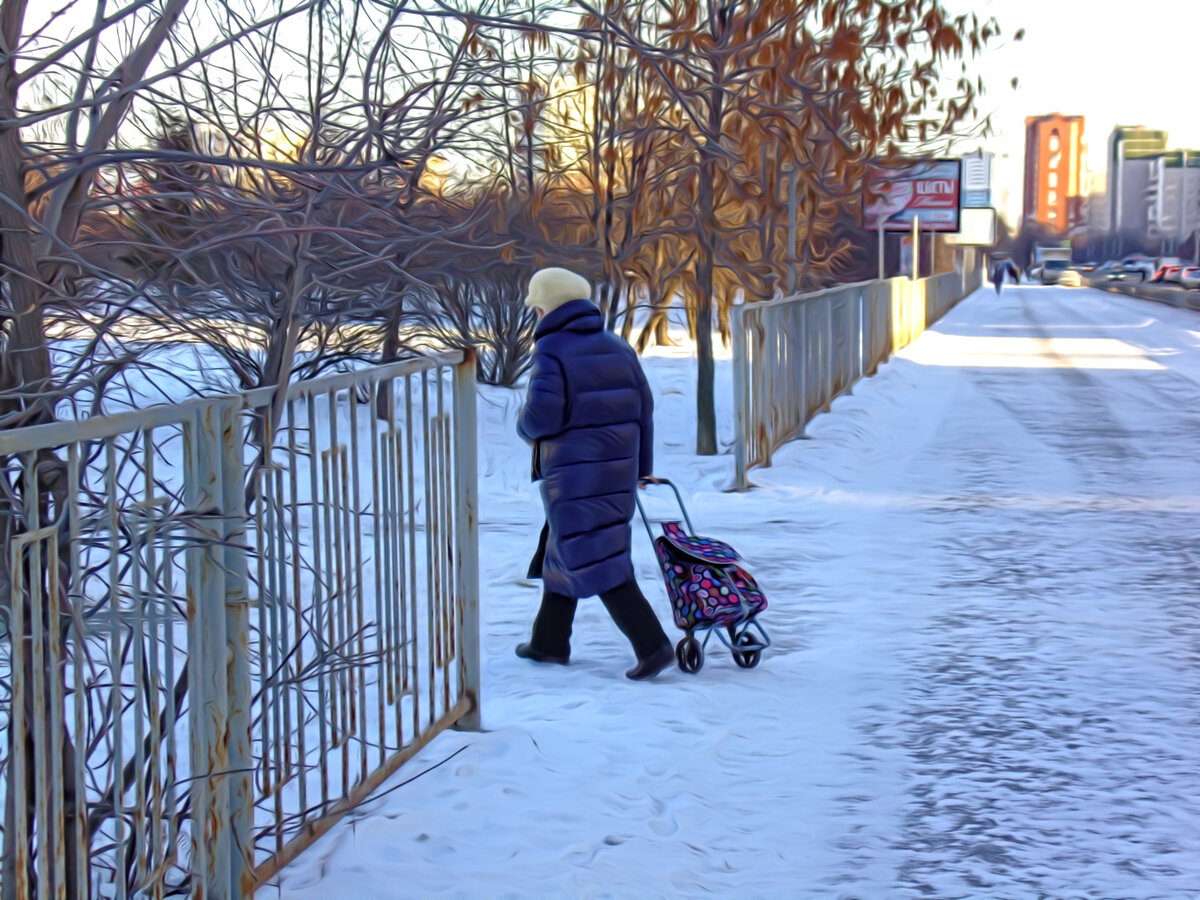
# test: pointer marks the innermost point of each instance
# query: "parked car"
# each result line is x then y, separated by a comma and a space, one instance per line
1166, 275
1126, 273
1148, 265
1053, 271
1131, 269
1190, 277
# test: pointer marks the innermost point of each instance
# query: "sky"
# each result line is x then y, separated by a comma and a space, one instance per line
1113, 63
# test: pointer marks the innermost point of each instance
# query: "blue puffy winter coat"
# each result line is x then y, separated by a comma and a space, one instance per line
588, 415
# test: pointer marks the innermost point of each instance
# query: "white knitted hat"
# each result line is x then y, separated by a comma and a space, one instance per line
551, 288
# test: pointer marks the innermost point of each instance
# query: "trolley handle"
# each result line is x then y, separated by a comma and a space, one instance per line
678, 499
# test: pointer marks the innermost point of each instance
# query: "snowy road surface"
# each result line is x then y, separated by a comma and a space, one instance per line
985, 678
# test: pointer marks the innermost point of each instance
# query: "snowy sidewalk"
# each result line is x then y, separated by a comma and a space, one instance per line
985, 678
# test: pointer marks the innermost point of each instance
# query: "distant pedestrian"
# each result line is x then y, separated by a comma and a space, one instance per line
588, 416
1004, 269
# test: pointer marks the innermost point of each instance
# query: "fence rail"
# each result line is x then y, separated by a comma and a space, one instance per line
794, 356
220, 634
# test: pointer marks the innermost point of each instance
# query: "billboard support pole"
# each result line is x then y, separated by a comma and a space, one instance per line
881, 270
916, 244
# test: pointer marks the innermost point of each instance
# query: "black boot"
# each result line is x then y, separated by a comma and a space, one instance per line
652, 664
551, 638
634, 616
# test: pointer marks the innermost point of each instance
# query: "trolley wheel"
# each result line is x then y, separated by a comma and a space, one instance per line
689, 655
747, 659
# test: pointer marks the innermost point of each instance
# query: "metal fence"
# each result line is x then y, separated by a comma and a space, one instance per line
794, 356
219, 636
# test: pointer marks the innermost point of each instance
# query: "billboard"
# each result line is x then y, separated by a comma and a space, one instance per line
977, 228
928, 189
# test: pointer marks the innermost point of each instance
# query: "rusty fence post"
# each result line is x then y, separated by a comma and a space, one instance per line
207, 674
466, 537
218, 675
240, 782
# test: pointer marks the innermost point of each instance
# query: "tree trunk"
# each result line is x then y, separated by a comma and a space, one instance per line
630, 306
657, 327
281, 353
662, 329
389, 352
25, 363
610, 275
706, 414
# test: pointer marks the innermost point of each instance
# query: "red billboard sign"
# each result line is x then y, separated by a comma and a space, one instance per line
927, 190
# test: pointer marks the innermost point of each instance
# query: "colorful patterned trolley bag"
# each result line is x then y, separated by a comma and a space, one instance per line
709, 592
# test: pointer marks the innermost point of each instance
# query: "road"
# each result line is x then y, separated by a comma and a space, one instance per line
985, 677
1170, 294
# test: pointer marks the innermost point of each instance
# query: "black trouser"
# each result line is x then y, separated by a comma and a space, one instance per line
626, 604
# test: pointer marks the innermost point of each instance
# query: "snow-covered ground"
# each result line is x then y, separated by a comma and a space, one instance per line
985, 676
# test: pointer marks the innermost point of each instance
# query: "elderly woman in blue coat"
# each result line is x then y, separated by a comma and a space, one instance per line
588, 415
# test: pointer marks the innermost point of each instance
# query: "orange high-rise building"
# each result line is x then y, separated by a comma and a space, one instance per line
1054, 171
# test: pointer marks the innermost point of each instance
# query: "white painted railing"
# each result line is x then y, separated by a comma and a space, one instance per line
794, 356
209, 652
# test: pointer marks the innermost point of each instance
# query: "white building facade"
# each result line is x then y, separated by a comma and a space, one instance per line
1131, 154
1174, 196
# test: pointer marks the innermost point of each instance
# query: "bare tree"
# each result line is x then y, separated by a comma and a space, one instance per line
765, 117
226, 171
63, 101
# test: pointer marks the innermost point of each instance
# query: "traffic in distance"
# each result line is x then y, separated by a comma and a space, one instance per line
1164, 271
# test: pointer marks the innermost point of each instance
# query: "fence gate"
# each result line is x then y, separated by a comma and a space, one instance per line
221, 629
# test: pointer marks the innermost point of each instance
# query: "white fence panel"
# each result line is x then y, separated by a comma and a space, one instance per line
794, 356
